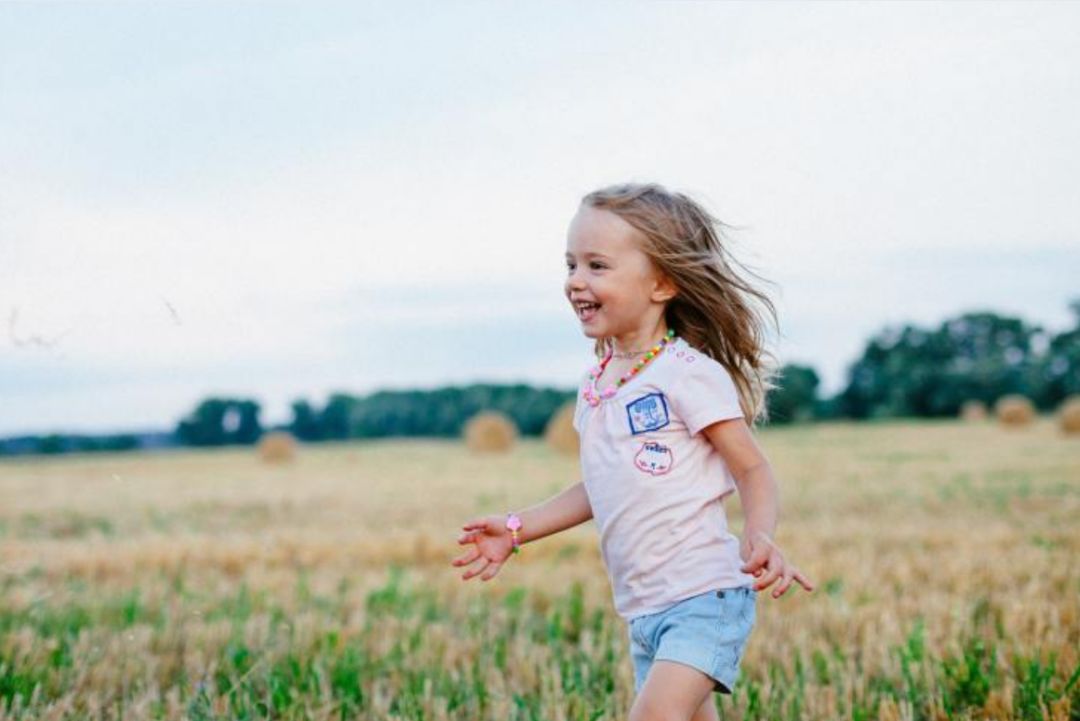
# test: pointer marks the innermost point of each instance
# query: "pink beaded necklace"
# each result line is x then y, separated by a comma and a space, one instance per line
593, 396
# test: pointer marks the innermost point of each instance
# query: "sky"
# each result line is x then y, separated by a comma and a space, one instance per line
281, 201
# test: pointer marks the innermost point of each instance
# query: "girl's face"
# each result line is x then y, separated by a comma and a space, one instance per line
613, 287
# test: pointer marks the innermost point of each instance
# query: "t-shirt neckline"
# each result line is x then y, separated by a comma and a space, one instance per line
619, 389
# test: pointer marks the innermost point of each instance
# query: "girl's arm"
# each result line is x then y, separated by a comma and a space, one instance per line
565, 510
494, 544
760, 497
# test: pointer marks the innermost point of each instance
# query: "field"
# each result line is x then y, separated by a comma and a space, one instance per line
209, 585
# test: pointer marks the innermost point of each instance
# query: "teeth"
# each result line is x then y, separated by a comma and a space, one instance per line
585, 308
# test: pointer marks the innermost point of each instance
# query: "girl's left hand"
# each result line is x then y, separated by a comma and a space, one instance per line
762, 558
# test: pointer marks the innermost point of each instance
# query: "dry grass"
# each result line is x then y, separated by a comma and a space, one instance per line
133, 579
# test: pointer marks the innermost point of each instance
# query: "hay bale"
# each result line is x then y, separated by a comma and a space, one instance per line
973, 411
1069, 415
560, 433
277, 447
1014, 410
490, 432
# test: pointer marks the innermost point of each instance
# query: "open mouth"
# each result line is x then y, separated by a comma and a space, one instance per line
586, 310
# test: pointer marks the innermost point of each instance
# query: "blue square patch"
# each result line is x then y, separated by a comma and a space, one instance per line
647, 413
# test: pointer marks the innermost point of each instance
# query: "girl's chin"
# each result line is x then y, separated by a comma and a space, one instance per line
590, 331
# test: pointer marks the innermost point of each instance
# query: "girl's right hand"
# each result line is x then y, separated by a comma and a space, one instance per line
493, 545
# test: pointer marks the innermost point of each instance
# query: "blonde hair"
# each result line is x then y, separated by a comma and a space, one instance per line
715, 309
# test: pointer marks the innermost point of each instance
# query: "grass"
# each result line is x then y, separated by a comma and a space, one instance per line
210, 586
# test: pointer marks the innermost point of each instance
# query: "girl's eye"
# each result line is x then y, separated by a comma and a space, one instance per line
595, 265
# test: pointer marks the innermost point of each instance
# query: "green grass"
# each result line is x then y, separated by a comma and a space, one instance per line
286, 677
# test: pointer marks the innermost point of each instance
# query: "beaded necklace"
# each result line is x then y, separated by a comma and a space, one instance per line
590, 393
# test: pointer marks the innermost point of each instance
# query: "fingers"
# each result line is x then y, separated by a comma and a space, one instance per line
774, 568
468, 558
479, 524
476, 570
792, 574
785, 581
766, 563
757, 560
473, 532
492, 569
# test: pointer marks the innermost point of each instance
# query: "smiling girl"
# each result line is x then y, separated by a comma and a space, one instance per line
666, 422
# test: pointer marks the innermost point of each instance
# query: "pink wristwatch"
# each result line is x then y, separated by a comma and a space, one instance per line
513, 522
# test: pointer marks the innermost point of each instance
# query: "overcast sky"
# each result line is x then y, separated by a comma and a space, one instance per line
284, 201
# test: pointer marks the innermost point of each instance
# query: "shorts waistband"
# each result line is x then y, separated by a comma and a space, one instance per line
744, 590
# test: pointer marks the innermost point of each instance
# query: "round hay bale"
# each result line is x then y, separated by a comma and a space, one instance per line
1014, 410
1069, 415
560, 433
973, 411
490, 432
277, 447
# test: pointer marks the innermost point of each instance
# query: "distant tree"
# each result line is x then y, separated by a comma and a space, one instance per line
51, 444
219, 422
444, 411
794, 397
335, 419
827, 408
305, 423
121, 442
1059, 367
914, 371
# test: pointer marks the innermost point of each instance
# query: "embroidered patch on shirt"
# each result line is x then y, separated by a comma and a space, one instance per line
647, 413
654, 458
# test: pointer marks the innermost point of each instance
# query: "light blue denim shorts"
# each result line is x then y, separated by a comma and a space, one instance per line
707, 631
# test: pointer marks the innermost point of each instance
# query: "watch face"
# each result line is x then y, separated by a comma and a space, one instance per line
513, 523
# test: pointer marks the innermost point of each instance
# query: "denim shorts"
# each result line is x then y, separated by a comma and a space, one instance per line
707, 631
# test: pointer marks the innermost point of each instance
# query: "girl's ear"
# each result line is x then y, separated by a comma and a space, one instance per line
665, 289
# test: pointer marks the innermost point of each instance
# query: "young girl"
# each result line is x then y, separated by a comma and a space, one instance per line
665, 423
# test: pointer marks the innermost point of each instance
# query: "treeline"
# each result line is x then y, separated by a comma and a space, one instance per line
910, 371
905, 371
437, 413
913, 371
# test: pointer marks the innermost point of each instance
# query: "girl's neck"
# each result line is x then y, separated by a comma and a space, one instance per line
637, 341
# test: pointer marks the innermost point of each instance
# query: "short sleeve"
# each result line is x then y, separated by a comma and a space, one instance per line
704, 393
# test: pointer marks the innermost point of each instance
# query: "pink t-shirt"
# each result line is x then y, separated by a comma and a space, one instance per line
656, 484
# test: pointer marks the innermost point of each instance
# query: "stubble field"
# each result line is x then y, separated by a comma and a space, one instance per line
209, 585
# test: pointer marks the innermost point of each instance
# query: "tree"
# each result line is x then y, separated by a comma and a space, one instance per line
794, 397
914, 371
221, 421
305, 423
335, 419
1059, 369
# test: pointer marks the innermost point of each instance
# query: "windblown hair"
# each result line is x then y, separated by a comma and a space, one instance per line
715, 309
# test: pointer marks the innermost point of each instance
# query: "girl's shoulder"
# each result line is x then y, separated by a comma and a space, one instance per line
690, 360
702, 390
694, 373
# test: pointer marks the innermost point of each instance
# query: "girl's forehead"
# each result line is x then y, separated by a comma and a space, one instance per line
600, 231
